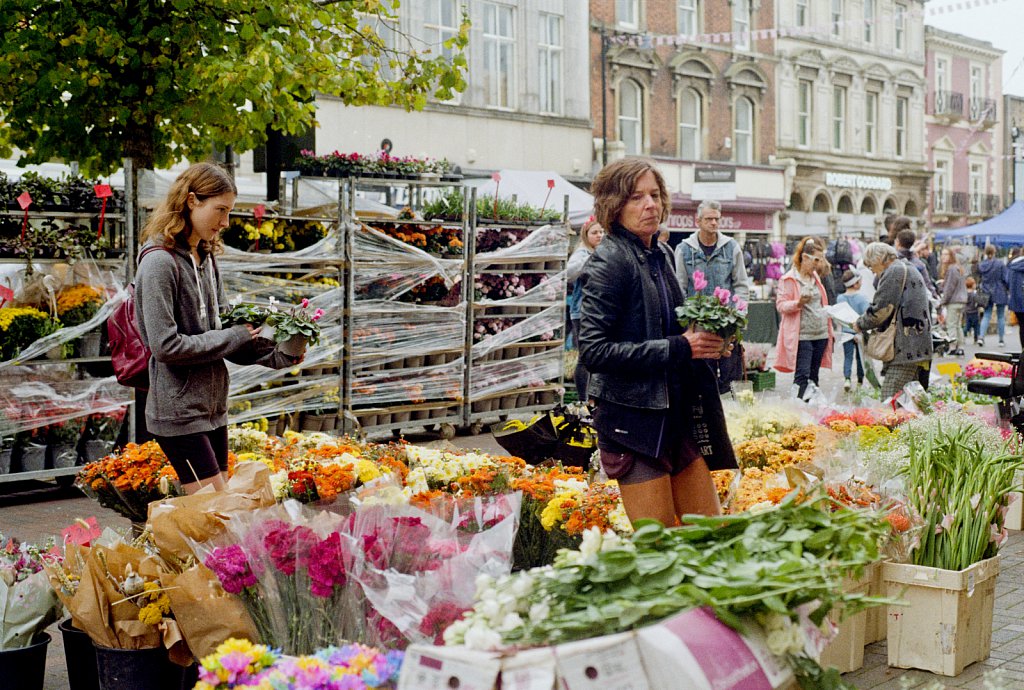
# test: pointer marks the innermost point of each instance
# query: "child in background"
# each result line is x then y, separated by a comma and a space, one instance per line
859, 303
972, 312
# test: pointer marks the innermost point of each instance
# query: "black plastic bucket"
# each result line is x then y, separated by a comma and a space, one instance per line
25, 668
137, 669
80, 656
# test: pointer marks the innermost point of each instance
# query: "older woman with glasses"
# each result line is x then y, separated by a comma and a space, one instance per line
805, 332
901, 295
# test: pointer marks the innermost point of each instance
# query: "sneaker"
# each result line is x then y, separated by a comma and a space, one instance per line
847, 385
980, 343
1002, 344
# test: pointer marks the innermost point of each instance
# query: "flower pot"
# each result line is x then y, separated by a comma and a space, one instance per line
947, 623
25, 668
89, 344
5, 460
97, 450
546, 398
523, 399
62, 456
80, 655
118, 669
294, 346
330, 421
312, 422
33, 458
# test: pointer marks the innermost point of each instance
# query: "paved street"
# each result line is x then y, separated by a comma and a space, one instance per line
37, 513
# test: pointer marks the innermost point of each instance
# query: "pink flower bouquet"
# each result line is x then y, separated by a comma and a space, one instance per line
720, 312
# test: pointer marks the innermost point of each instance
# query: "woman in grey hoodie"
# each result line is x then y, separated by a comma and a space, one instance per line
178, 293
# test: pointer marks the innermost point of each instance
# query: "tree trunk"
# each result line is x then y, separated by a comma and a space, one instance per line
139, 144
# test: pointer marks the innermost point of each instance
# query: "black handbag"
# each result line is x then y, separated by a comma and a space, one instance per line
534, 443
577, 441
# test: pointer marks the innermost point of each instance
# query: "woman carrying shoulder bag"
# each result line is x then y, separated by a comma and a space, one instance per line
900, 295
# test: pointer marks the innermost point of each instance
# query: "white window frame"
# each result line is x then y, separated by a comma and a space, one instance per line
899, 27
836, 18
437, 31
941, 74
687, 17
499, 49
975, 187
691, 132
637, 147
804, 113
902, 113
803, 13
940, 184
870, 123
627, 14
741, 20
870, 12
839, 103
550, 64
743, 139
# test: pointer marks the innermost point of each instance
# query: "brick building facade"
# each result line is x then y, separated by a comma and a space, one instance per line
691, 84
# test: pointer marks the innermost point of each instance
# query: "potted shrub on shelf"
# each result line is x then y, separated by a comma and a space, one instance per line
76, 305
22, 326
101, 429
62, 442
959, 478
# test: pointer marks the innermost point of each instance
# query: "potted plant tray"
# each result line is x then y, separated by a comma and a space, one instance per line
762, 380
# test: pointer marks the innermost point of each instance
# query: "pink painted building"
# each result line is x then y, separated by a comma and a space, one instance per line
963, 107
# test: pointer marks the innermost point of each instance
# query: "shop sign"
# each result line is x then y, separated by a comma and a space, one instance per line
681, 220
716, 182
852, 181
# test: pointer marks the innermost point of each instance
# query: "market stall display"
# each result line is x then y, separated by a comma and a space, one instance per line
62, 270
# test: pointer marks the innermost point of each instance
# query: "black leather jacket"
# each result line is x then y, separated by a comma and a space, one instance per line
623, 340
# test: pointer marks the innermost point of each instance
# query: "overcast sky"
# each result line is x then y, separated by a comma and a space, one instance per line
1000, 22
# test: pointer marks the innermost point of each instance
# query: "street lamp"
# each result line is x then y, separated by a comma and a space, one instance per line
1015, 135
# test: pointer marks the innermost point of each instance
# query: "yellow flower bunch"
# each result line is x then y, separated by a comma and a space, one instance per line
553, 511
79, 296
9, 314
154, 603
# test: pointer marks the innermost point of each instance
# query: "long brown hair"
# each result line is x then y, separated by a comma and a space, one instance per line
614, 184
171, 218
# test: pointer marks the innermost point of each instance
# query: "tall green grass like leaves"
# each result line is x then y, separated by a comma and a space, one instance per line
961, 486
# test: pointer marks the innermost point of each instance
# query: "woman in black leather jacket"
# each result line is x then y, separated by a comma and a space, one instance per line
657, 410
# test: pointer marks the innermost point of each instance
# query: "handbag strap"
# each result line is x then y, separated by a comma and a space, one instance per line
899, 304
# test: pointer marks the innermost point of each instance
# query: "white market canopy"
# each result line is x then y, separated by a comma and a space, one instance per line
531, 187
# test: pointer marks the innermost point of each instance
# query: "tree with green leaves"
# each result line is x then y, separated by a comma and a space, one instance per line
164, 80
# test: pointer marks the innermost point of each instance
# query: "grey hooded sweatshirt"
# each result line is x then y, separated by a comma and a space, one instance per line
177, 306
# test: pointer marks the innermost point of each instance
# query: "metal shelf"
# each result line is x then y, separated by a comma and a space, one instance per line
40, 474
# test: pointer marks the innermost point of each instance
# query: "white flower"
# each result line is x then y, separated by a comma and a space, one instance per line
522, 585
279, 484
539, 612
65, 96
479, 636
511, 621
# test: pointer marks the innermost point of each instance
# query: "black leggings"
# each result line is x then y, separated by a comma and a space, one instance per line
197, 456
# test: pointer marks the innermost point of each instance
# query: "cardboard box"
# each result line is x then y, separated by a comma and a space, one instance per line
691, 650
948, 621
845, 651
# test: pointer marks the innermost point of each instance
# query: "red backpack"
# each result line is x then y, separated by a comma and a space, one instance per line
129, 355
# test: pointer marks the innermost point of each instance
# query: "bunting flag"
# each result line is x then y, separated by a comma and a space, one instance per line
647, 41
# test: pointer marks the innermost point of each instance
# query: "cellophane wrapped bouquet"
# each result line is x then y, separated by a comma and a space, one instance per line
385, 574
27, 603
